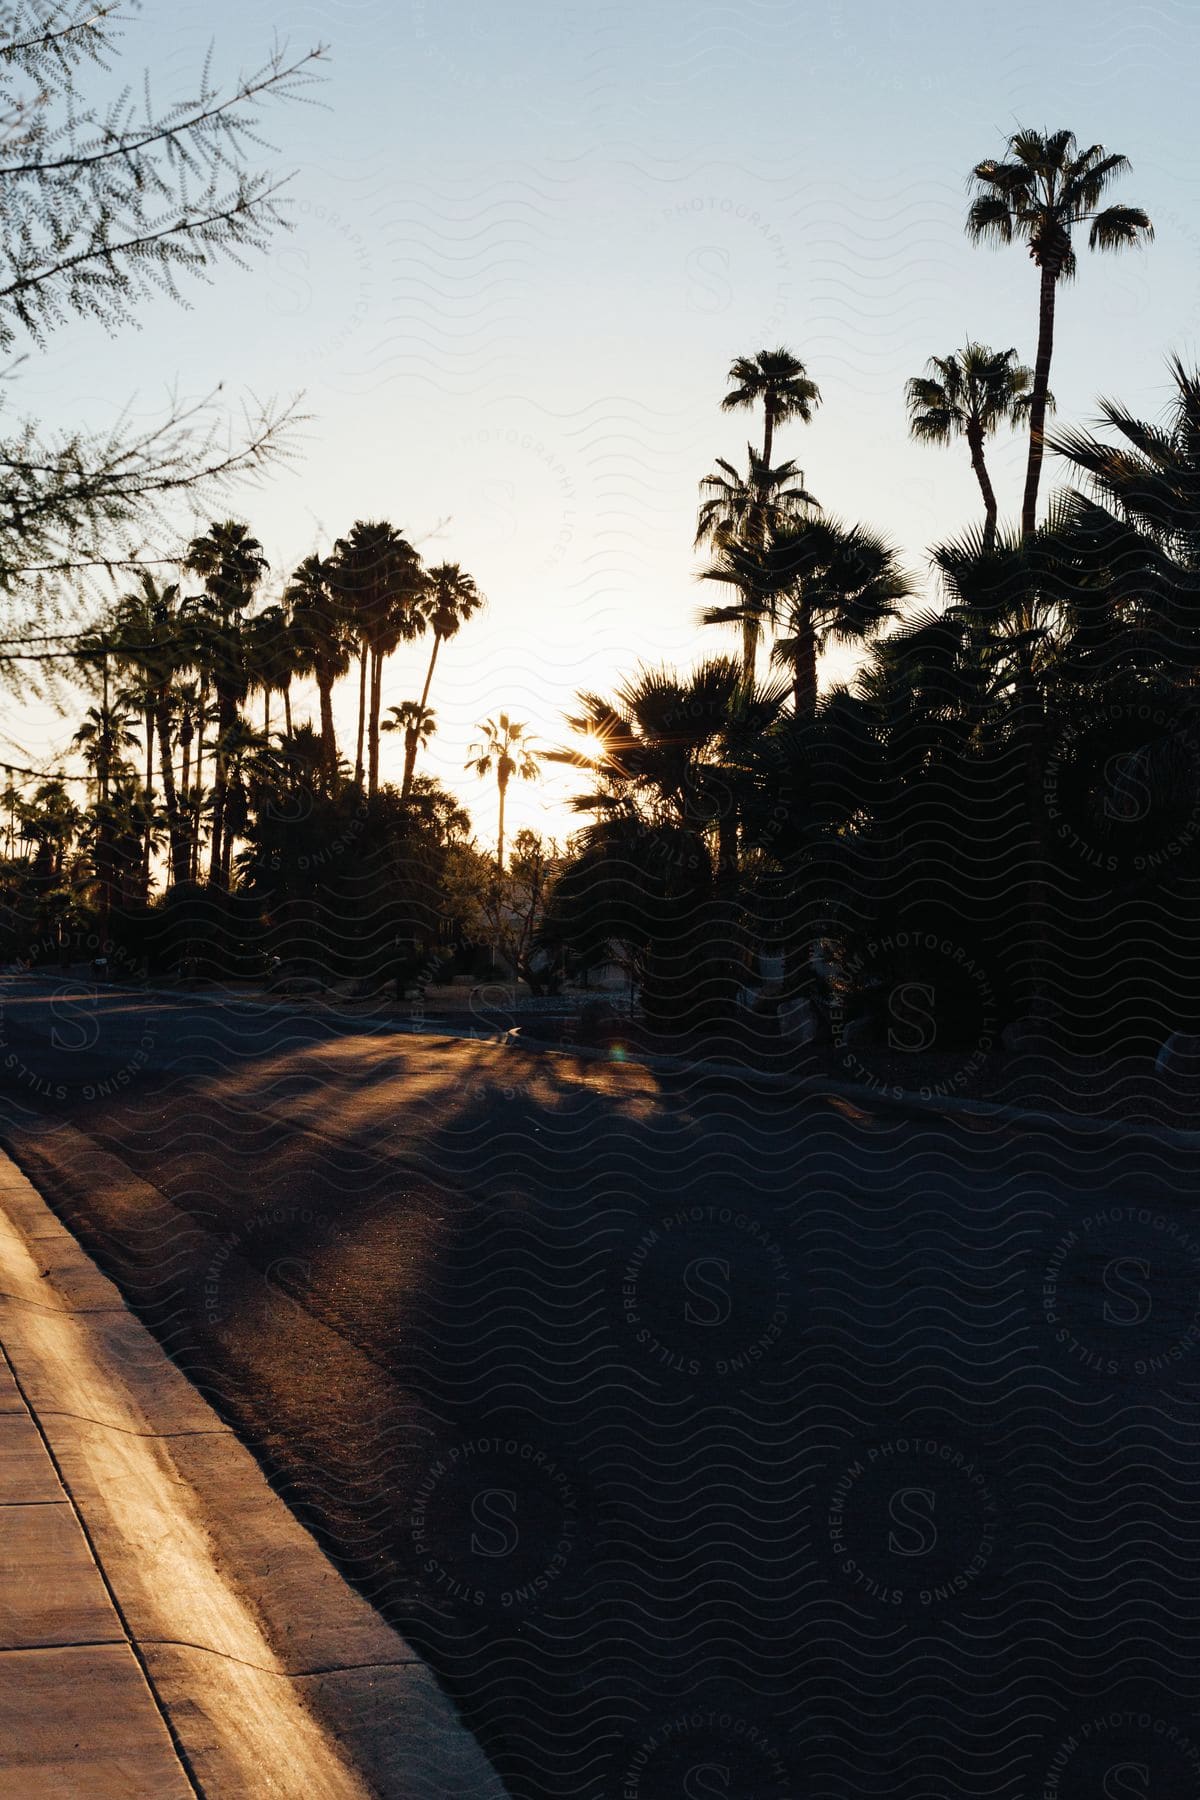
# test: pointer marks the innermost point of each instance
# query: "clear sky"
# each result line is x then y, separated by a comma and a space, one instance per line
529, 240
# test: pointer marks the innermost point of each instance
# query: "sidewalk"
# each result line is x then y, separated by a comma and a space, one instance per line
167, 1628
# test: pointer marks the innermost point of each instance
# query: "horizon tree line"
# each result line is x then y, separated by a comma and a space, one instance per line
726, 807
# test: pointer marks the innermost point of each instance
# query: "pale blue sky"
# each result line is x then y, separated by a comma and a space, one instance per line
530, 239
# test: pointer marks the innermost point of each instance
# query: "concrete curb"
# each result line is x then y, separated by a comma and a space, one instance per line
273, 1677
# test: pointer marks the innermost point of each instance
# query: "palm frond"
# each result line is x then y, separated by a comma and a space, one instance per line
1119, 227
990, 219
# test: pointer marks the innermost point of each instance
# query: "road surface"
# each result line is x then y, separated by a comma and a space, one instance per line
709, 1441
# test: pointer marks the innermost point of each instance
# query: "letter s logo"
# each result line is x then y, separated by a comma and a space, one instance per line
716, 1305
1136, 1300
709, 290
705, 1779
1127, 1781
78, 1013
1127, 793
495, 1510
912, 1508
919, 1027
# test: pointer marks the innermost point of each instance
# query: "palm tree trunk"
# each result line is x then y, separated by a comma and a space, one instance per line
328, 737
362, 714
175, 823
373, 722
804, 669
226, 719
1037, 400
750, 630
990, 509
148, 842
1038, 963
102, 767
287, 708
410, 747
768, 432
199, 800
218, 821
185, 791
266, 712
727, 851
503, 787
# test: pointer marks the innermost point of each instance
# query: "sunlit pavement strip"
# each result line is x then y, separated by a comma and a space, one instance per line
167, 1628
744, 1075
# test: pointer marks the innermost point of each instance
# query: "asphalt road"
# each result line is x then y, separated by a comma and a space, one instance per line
709, 1442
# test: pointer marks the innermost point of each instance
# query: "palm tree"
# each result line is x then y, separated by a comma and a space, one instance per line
1007, 603
970, 394
104, 735
670, 751
505, 750
1135, 535
50, 821
747, 511
1040, 192
247, 755
451, 599
151, 637
829, 582
378, 579
656, 872
418, 724
95, 650
271, 661
232, 564
736, 508
322, 641
781, 383
1153, 478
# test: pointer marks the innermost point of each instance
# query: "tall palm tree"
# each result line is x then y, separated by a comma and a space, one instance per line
246, 752
323, 645
151, 637
232, 563
827, 581
505, 751
271, 660
779, 382
451, 598
418, 724
96, 651
748, 510
970, 394
104, 735
378, 578
1041, 190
